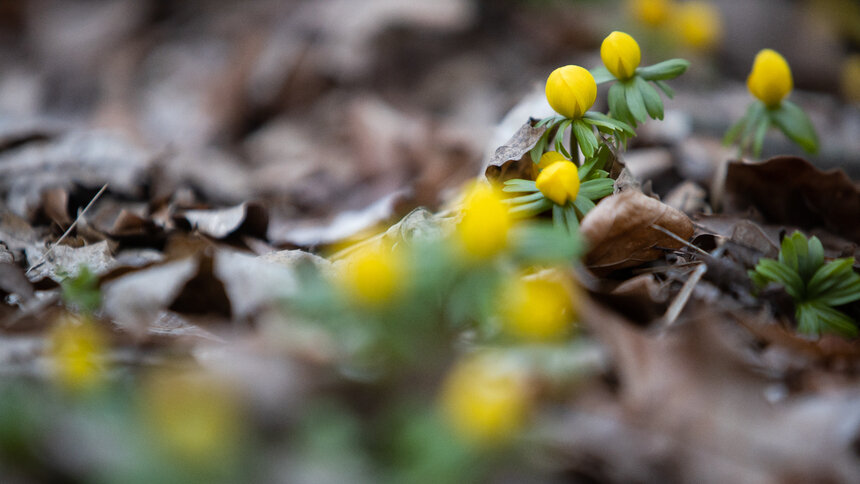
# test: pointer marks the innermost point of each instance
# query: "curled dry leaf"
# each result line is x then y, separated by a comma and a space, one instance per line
512, 160
790, 190
621, 233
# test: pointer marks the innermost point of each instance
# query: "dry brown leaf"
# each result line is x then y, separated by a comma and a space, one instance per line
512, 160
620, 231
790, 190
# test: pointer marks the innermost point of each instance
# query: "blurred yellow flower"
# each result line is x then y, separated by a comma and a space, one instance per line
652, 13
570, 91
849, 78
191, 415
485, 404
373, 275
483, 229
559, 182
76, 346
537, 309
620, 54
699, 24
770, 79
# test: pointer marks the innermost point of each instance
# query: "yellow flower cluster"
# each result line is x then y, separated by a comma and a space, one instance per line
559, 182
484, 403
698, 24
571, 91
537, 309
770, 80
77, 346
483, 228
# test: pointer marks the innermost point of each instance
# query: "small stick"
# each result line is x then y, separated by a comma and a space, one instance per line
679, 239
69, 230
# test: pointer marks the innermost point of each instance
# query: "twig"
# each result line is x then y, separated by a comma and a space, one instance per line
681, 299
68, 230
679, 239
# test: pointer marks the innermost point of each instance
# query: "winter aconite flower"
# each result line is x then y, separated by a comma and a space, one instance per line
483, 229
620, 54
372, 275
485, 403
570, 91
545, 160
537, 309
650, 12
77, 346
770, 80
559, 182
699, 25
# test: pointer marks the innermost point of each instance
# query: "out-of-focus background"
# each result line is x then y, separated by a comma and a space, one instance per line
206, 139
331, 105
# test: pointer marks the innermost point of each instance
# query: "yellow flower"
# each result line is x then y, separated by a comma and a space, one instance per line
620, 54
547, 159
76, 347
484, 403
559, 182
483, 229
373, 275
194, 417
650, 12
537, 309
699, 24
770, 79
849, 79
570, 91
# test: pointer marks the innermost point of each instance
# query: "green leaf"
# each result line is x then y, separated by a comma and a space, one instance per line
583, 204
734, 131
845, 292
668, 69
758, 140
537, 151
755, 116
635, 102
524, 199
531, 209
795, 124
814, 318
830, 275
653, 103
782, 274
601, 74
601, 119
596, 189
540, 242
519, 185
668, 91
618, 104
571, 219
549, 121
558, 216
816, 256
82, 291
585, 137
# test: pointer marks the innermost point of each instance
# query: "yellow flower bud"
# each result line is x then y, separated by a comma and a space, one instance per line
537, 309
484, 403
559, 182
620, 54
483, 229
699, 25
570, 91
77, 346
650, 12
547, 159
770, 79
373, 275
